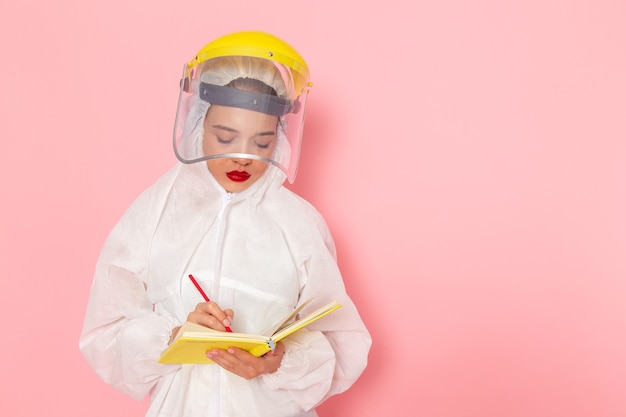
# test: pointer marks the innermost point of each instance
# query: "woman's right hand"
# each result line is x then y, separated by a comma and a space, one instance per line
210, 315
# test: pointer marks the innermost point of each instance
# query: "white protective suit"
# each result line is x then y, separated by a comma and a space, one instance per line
260, 253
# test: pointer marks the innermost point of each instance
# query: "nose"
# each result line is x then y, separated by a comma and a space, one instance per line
242, 161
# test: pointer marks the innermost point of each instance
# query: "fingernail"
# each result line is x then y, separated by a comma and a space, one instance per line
226, 322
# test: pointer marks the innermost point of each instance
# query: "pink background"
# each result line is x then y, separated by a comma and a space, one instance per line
470, 158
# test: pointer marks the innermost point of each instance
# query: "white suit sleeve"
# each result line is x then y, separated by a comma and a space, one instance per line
122, 338
330, 355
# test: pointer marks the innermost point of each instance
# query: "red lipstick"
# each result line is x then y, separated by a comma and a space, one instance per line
238, 176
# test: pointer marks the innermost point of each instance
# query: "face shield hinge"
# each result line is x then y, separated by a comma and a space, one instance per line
184, 84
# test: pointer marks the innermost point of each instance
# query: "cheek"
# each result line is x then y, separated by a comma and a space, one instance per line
214, 165
257, 168
266, 152
206, 145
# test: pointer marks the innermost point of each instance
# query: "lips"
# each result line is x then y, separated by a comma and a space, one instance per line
238, 176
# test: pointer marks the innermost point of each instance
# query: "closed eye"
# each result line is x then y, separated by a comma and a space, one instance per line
224, 141
263, 145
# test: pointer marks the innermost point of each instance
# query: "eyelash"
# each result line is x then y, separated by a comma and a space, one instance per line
227, 141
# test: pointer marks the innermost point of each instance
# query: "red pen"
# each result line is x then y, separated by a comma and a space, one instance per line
204, 295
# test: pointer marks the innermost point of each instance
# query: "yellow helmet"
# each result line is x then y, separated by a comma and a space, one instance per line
260, 45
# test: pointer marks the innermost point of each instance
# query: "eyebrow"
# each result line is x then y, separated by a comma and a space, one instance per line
230, 129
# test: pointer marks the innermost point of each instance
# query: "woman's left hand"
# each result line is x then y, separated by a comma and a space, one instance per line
246, 365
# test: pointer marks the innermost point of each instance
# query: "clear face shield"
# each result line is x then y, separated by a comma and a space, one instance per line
241, 107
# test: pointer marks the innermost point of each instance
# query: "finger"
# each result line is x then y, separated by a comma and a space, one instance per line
244, 357
210, 307
224, 358
206, 320
204, 311
278, 351
225, 317
250, 366
244, 364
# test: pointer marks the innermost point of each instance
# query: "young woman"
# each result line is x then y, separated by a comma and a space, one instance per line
258, 250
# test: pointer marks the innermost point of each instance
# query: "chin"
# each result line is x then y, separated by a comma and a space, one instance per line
237, 187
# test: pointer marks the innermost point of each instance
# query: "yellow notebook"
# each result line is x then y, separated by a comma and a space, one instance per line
193, 341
